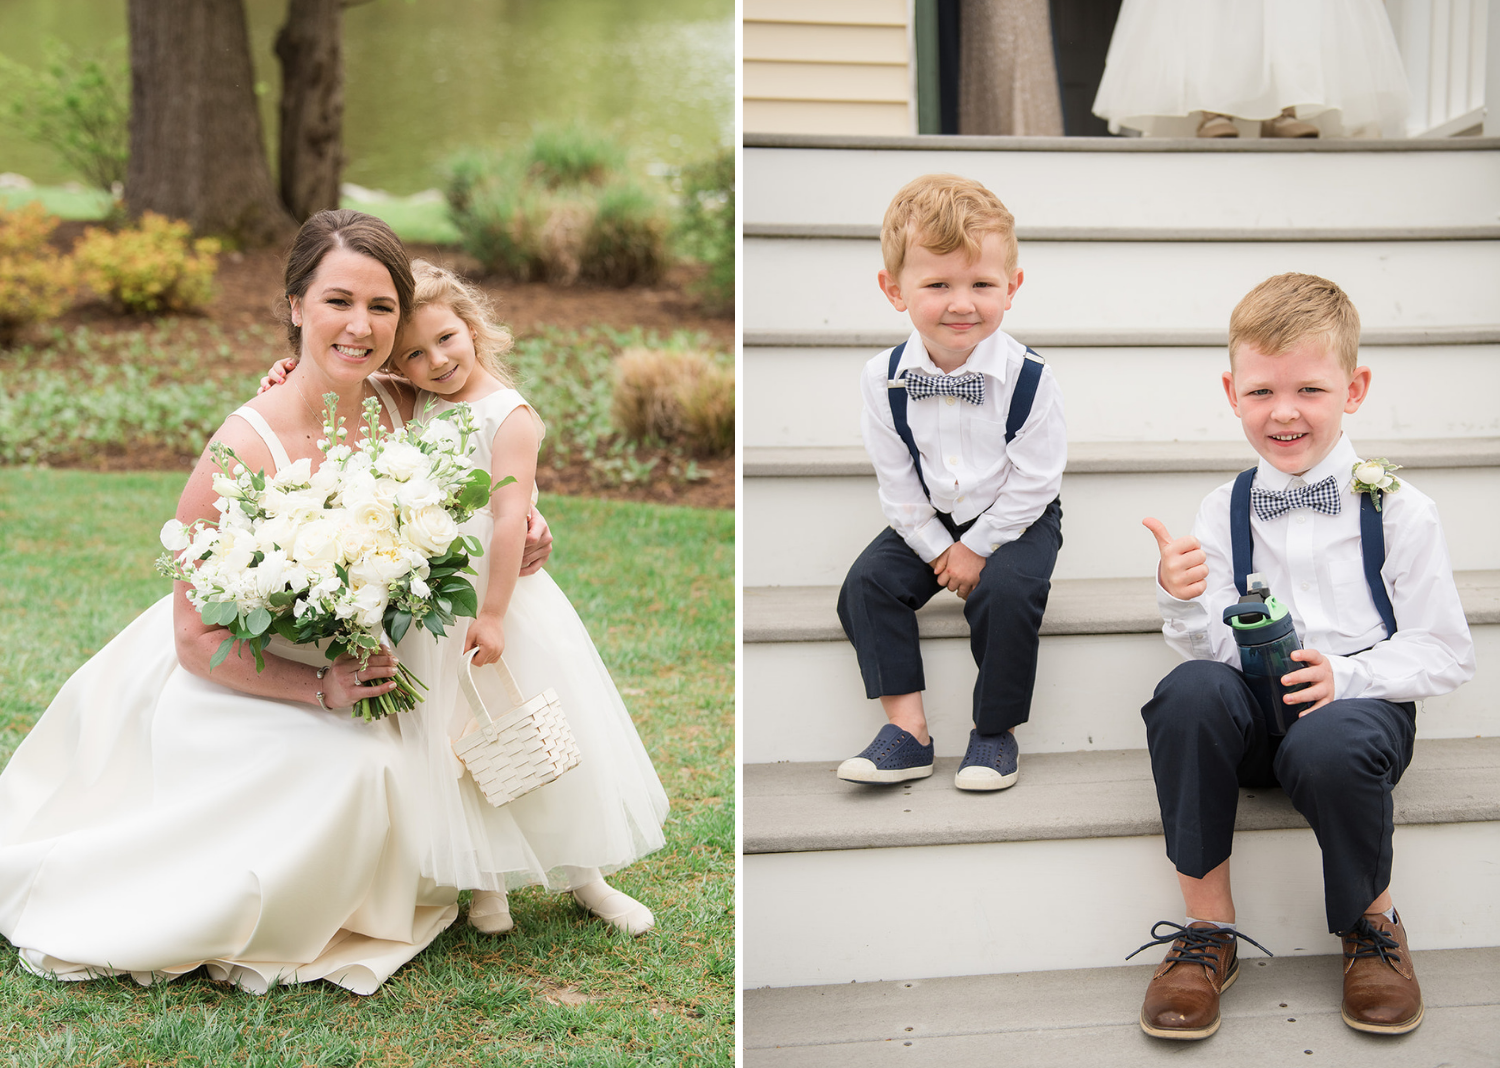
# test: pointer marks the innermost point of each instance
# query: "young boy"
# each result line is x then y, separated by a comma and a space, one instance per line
1372, 598
965, 427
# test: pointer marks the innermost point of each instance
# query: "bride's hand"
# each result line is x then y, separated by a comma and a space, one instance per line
342, 686
277, 374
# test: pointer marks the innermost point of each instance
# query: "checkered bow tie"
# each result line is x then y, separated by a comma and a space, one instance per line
968, 386
1320, 496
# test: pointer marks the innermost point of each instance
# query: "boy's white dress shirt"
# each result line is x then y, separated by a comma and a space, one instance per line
1314, 565
969, 468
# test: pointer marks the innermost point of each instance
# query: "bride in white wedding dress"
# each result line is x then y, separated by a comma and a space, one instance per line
160, 817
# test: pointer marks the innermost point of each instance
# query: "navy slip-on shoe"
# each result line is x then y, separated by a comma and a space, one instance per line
992, 762
894, 756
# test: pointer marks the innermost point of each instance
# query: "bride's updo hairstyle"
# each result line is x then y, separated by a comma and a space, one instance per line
352, 230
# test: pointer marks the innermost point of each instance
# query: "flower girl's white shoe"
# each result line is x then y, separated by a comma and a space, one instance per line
489, 911
614, 907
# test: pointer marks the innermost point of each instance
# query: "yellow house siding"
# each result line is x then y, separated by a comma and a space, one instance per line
827, 66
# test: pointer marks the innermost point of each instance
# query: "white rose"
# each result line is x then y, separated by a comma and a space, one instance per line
316, 543
371, 514
1370, 474
175, 536
430, 529
420, 588
354, 541
273, 533
419, 493
401, 461
385, 491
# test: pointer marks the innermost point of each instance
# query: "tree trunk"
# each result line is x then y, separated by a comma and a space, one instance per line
196, 151
310, 48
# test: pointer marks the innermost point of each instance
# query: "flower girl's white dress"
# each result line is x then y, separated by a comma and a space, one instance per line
1335, 61
606, 812
153, 821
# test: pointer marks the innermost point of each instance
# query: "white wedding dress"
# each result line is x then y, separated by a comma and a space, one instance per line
606, 812
154, 821
1334, 61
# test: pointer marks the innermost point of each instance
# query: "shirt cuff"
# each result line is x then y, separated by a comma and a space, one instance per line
983, 539
1348, 680
930, 540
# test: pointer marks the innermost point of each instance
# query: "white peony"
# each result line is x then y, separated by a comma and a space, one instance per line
430, 529
370, 513
316, 543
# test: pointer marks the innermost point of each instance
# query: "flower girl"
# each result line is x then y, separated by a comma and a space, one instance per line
607, 811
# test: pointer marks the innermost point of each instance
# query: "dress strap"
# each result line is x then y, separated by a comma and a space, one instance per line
263, 428
389, 402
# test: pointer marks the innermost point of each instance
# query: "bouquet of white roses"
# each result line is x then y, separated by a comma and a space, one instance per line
368, 543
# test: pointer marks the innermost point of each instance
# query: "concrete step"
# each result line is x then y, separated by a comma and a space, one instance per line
1280, 1013
1130, 285
1107, 489
1136, 182
1101, 657
1129, 392
1028, 879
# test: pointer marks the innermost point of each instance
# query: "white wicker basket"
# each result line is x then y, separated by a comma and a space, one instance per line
513, 754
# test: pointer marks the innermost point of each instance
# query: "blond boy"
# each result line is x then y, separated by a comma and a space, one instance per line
1372, 597
965, 428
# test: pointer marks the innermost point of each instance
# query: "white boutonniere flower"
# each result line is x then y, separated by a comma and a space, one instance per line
1375, 477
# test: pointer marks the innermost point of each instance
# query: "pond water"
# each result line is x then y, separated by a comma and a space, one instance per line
423, 79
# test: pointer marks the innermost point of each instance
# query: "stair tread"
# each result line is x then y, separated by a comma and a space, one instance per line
800, 807
1075, 606
923, 144
1277, 1011
1127, 457
1044, 338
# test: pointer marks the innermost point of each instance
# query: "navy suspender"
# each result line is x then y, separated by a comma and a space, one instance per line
1371, 544
1020, 404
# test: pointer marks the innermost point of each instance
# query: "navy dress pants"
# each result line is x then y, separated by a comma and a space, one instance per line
1338, 765
889, 582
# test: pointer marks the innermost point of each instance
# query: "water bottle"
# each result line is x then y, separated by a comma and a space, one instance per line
1263, 630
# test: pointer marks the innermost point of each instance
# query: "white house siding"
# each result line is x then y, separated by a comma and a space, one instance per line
827, 66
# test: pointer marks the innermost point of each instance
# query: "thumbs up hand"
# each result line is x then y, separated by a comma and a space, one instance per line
1183, 572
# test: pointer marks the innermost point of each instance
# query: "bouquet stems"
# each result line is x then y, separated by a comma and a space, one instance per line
409, 690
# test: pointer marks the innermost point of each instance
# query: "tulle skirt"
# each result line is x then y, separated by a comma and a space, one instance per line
1334, 61
603, 814
154, 821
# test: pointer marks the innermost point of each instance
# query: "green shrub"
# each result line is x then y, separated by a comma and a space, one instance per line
77, 106
680, 397
626, 245
572, 155
707, 229
558, 209
36, 282
155, 266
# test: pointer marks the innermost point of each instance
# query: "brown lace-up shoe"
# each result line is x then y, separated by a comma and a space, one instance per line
1381, 994
1182, 1000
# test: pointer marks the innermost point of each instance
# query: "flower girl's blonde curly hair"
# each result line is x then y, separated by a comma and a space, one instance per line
438, 285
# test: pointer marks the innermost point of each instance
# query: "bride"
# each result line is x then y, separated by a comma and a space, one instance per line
162, 817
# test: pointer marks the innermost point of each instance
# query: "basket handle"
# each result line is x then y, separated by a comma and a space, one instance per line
466, 683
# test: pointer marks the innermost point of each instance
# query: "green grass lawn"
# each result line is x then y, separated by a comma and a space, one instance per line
654, 585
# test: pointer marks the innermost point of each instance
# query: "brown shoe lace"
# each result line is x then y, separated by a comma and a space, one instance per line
1196, 945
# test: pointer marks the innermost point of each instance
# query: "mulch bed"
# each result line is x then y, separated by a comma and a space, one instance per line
249, 287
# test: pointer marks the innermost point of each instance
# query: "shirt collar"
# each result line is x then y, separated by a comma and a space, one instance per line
1339, 462
990, 357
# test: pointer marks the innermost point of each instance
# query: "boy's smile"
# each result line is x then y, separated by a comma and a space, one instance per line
1292, 404
954, 302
